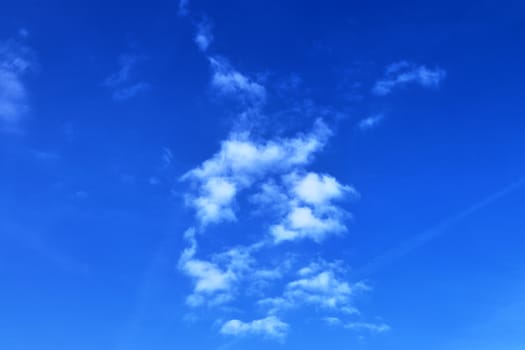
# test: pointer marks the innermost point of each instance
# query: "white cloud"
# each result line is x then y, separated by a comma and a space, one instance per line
204, 36
214, 202
270, 326
123, 83
240, 162
215, 281
370, 122
228, 81
320, 286
310, 212
318, 189
15, 62
403, 73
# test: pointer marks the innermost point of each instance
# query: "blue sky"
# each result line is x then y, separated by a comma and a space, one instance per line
262, 174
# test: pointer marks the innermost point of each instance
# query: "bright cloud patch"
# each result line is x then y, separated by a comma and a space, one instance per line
270, 326
214, 281
240, 162
404, 73
310, 212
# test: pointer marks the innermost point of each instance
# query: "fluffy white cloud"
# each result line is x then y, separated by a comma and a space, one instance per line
318, 189
214, 202
310, 212
15, 61
240, 162
214, 281
403, 73
228, 81
270, 326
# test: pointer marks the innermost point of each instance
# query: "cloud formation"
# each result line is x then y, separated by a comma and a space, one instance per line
269, 177
403, 73
310, 212
214, 281
240, 162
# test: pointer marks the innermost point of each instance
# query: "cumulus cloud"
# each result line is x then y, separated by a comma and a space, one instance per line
318, 285
404, 73
228, 81
310, 212
123, 83
214, 281
240, 162
370, 122
270, 326
16, 61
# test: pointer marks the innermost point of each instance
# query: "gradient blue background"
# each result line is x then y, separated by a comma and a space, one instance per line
88, 247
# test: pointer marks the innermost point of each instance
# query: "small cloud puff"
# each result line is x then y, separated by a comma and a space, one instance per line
370, 122
204, 36
271, 327
403, 73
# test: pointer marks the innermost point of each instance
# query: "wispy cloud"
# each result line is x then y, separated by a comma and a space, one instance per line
204, 36
370, 122
403, 73
123, 82
183, 7
371, 327
228, 81
16, 60
270, 326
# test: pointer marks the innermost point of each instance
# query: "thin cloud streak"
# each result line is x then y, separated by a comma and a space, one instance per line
434, 232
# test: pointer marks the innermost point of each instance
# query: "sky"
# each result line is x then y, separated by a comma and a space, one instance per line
262, 175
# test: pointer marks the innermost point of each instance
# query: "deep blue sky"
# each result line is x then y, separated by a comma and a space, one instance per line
407, 210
